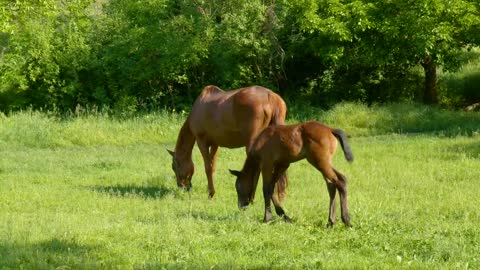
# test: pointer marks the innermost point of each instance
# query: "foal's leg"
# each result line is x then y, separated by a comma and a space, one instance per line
209, 158
268, 187
322, 163
269, 180
332, 212
342, 190
278, 173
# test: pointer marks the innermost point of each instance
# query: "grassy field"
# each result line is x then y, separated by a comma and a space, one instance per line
95, 192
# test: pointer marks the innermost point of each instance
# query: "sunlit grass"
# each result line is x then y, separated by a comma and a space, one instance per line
71, 198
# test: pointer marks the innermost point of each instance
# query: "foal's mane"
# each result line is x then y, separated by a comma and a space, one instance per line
251, 169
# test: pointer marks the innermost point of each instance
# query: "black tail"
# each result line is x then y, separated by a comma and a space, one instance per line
344, 143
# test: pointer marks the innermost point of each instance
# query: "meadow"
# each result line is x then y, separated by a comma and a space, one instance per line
95, 191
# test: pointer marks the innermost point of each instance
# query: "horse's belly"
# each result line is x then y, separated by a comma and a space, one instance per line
228, 140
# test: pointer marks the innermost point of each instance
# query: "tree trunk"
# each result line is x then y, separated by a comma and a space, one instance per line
430, 95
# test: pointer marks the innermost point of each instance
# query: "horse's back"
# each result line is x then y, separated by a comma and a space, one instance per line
232, 118
259, 102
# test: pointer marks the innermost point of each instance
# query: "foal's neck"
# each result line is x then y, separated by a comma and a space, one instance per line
251, 169
185, 141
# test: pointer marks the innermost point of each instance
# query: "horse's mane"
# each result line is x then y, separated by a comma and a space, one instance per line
186, 139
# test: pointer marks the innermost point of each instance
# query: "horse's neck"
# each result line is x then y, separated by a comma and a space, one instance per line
185, 141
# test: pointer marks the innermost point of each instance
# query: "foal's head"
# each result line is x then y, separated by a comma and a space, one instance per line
244, 185
183, 171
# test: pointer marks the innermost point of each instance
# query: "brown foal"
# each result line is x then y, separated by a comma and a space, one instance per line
278, 146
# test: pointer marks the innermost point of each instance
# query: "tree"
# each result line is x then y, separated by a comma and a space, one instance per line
429, 32
370, 42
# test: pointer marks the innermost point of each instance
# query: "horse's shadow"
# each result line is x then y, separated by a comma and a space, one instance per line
471, 150
52, 252
153, 192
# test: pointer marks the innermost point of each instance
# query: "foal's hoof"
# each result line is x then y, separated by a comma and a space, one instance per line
287, 219
267, 218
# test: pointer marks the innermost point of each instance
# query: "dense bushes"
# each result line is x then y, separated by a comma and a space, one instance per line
134, 55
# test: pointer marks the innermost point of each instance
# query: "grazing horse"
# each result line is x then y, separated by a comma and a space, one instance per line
278, 146
229, 119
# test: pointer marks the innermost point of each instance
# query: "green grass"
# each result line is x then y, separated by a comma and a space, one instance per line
94, 192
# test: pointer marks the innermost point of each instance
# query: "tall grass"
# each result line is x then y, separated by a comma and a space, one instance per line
37, 129
361, 120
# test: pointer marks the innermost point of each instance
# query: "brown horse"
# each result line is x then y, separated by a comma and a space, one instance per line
229, 119
278, 146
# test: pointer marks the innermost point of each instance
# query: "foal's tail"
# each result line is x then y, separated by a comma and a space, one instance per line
344, 143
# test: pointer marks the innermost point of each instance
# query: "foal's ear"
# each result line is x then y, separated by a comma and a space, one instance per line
236, 173
171, 153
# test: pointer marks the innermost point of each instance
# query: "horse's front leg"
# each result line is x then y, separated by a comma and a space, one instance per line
209, 158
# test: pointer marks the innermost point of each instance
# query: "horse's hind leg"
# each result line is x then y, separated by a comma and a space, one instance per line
342, 190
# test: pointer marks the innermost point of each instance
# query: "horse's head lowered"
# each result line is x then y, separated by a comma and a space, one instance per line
183, 171
244, 186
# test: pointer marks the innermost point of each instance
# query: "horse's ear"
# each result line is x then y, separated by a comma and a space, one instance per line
171, 153
236, 173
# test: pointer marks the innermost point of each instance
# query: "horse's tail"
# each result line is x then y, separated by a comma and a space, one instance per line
278, 118
344, 143
279, 110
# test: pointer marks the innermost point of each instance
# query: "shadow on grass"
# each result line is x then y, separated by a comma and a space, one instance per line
51, 254
154, 192
204, 265
471, 150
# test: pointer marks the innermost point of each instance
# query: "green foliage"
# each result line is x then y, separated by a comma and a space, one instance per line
48, 48
108, 198
461, 88
144, 55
